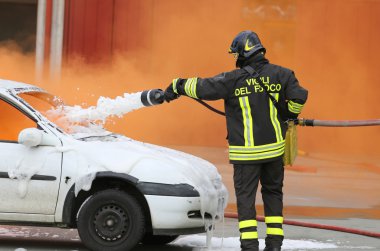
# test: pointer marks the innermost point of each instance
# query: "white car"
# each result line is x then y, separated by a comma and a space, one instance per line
117, 191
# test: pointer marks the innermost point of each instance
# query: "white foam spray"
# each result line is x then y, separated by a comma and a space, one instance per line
78, 119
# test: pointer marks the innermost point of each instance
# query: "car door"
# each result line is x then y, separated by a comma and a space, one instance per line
29, 176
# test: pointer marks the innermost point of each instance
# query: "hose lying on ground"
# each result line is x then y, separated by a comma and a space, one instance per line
313, 225
338, 123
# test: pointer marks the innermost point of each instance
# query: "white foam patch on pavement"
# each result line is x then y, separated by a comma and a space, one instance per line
13, 232
198, 242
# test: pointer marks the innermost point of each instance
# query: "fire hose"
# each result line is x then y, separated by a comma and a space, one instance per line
314, 122
156, 96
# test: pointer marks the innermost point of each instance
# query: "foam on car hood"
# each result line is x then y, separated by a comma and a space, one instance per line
120, 154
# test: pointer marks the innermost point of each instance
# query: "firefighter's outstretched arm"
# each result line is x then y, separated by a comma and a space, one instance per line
199, 88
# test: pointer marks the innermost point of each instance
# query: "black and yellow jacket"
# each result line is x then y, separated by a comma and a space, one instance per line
256, 131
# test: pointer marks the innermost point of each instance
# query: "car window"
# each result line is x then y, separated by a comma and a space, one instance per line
12, 121
39, 101
45, 104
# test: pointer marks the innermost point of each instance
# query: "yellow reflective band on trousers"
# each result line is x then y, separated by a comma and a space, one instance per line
247, 223
274, 219
275, 231
191, 87
175, 85
249, 235
247, 121
294, 107
257, 152
274, 118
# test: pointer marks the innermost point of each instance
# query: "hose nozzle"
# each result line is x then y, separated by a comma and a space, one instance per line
152, 97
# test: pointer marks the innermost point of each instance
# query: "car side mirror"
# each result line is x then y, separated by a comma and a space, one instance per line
33, 137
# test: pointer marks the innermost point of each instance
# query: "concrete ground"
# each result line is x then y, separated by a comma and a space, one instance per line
54, 239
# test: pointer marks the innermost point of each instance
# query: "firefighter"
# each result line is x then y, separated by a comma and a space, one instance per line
256, 128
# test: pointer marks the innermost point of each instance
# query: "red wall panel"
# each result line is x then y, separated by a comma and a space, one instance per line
97, 29
89, 29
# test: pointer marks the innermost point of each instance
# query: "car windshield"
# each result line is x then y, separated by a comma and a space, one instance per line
53, 108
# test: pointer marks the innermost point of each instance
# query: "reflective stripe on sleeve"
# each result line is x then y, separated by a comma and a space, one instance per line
247, 223
175, 85
191, 87
294, 107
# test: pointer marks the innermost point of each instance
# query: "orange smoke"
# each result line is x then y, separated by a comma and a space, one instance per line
332, 49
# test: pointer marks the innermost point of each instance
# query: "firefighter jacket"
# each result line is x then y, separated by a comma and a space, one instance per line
256, 131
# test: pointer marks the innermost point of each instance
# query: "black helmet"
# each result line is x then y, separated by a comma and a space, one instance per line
246, 44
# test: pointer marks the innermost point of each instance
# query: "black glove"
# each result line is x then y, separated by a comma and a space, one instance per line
169, 94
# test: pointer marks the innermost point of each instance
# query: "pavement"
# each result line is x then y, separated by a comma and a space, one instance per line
327, 189
297, 238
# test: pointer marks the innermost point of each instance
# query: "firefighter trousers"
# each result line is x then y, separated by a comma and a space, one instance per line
246, 180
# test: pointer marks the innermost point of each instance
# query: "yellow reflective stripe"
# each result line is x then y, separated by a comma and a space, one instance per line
249, 235
247, 121
274, 219
254, 149
195, 80
294, 107
191, 87
247, 223
257, 156
244, 121
294, 104
175, 85
275, 231
250, 122
274, 119
187, 87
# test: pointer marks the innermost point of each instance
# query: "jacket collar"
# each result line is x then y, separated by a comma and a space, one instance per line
257, 61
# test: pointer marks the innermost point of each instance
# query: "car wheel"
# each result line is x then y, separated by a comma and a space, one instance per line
150, 239
111, 220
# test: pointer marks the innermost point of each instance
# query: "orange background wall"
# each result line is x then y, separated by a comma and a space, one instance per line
331, 44
117, 46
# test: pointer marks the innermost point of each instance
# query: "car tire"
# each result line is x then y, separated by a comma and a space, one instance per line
111, 220
150, 239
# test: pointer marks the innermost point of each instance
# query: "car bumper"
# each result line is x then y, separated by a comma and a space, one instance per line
176, 209
172, 215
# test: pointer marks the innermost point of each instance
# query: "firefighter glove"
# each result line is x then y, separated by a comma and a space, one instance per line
171, 92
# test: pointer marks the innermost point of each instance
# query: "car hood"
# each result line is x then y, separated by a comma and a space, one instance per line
151, 163
122, 154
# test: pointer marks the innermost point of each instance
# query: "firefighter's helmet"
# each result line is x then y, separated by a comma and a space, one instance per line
246, 44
